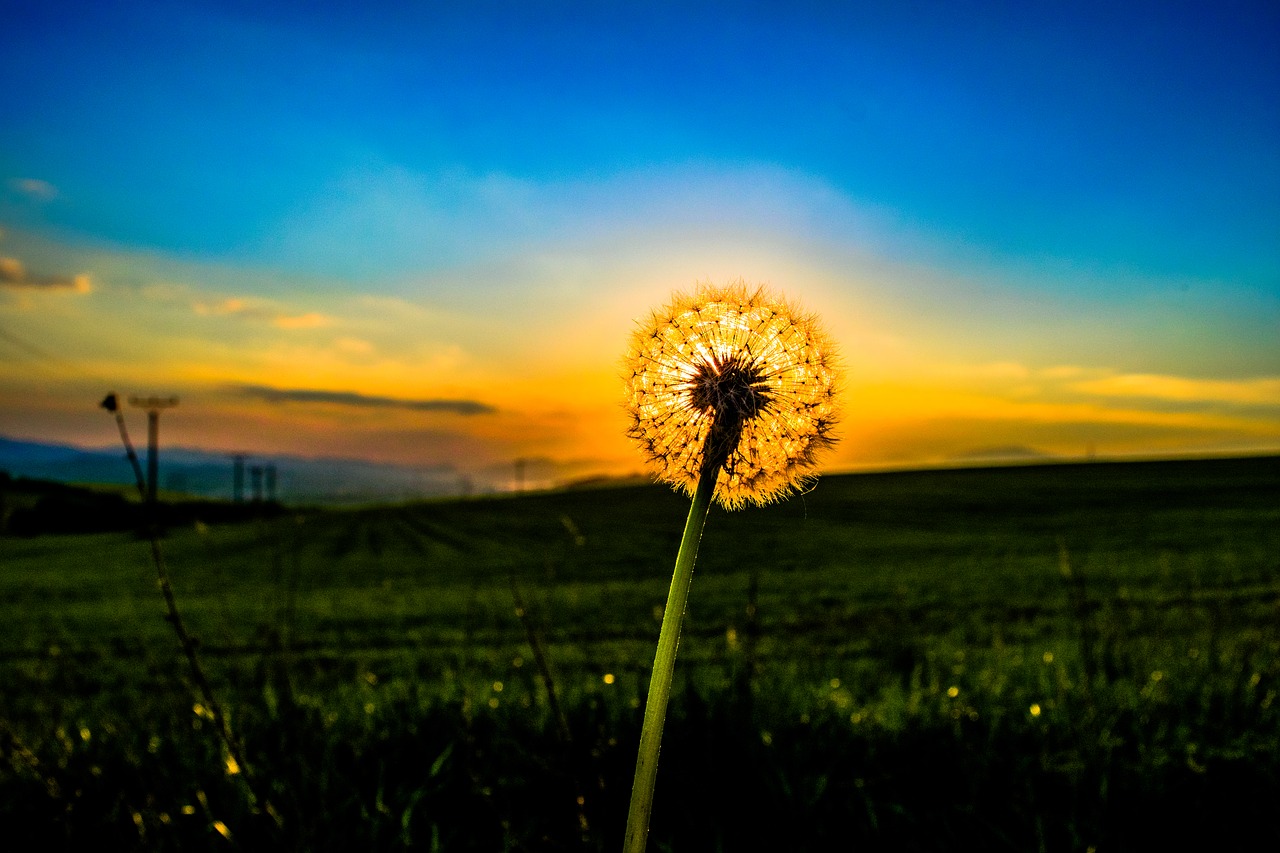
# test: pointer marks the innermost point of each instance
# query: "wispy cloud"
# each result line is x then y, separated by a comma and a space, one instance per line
14, 274
363, 401
247, 309
354, 346
389, 219
310, 320
1061, 383
1259, 391
232, 306
34, 188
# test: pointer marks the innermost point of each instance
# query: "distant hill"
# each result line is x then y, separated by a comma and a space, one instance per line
31, 507
203, 474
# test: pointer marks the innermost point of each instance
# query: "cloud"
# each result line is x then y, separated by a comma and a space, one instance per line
363, 401
389, 220
14, 274
1260, 391
234, 306
354, 346
34, 188
310, 320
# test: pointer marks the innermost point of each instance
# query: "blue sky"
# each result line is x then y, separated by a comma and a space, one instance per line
1144, 136
989, 171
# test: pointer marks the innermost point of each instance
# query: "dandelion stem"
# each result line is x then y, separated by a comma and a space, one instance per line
655, 712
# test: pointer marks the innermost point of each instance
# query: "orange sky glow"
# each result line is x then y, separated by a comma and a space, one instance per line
534, 374
422, 234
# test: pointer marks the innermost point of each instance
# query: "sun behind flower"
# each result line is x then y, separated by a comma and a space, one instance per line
731, 377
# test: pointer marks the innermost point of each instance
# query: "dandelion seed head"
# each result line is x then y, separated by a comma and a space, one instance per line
730, 375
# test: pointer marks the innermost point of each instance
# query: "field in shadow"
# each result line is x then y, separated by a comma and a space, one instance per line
1051, 657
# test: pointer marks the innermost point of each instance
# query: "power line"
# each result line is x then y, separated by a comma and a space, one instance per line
44, 359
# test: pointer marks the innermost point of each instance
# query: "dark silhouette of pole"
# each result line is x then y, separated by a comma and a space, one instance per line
520, 465
237, 478
153, 454
153, 405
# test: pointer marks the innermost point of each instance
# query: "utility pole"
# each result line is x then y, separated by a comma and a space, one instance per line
237, 478
153, 405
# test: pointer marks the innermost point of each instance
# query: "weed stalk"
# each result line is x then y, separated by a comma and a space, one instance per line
256, 797
562, 721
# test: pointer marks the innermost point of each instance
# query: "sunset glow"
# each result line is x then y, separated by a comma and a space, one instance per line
426, 238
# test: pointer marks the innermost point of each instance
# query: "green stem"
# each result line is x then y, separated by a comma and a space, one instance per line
655, 711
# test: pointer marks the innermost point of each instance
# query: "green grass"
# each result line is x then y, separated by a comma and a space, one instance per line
893, 661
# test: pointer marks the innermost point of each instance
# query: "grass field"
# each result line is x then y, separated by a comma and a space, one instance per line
1041, 658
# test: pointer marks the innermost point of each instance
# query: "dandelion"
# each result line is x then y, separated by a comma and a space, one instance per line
731, 380
731, 396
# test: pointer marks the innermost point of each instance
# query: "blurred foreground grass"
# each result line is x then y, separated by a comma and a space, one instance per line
1056, 657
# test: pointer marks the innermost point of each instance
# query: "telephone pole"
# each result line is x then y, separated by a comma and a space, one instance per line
255, 478
153, 405
237, 478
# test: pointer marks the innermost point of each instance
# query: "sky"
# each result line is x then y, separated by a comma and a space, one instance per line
423, 233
